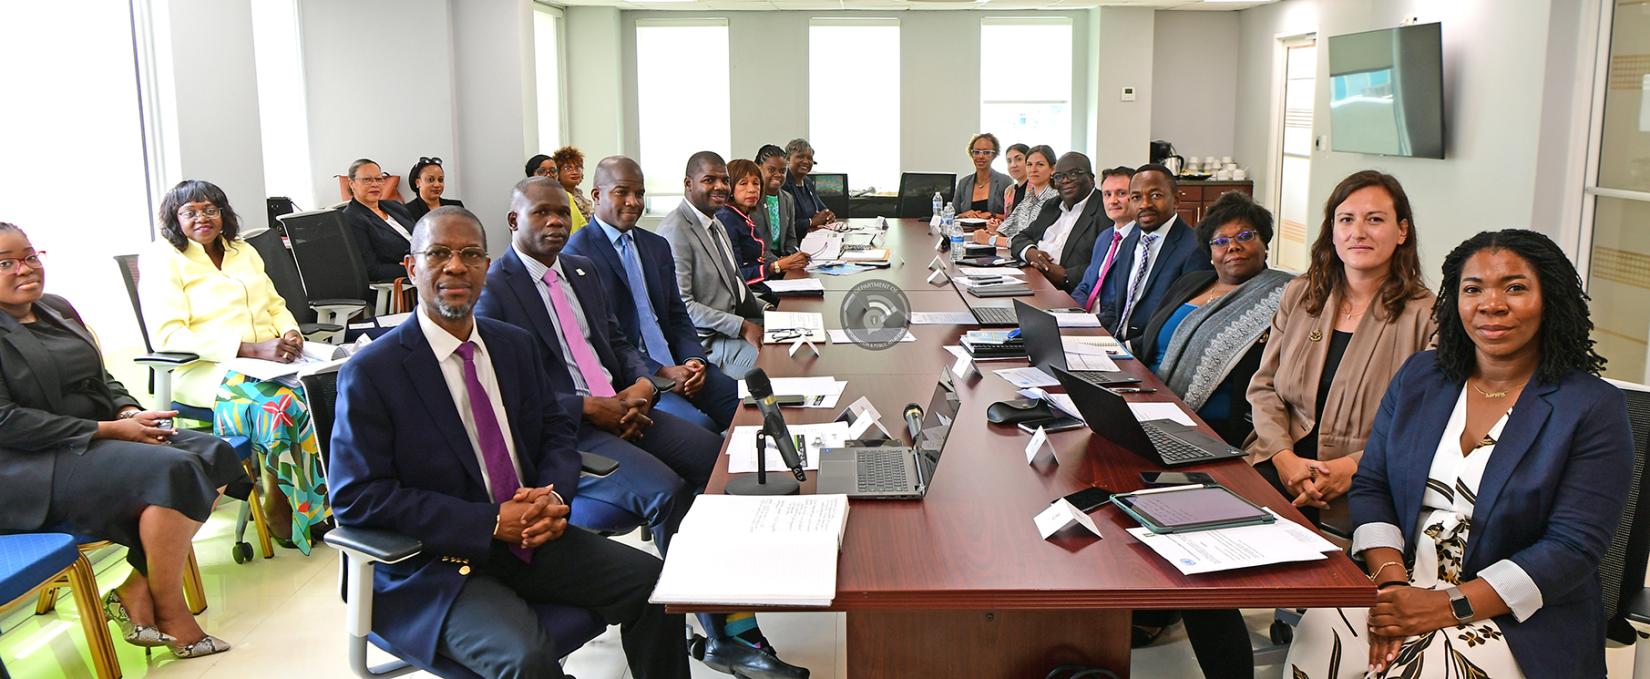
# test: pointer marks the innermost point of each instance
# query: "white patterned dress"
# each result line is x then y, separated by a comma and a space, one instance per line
1332, 643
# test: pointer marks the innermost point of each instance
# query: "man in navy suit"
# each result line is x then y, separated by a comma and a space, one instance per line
594, 372
1114, 192
639, 275
444, 433
1149, 260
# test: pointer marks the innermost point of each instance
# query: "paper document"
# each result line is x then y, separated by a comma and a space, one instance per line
1085, 356
1076, 320
818, 392
991, 271
779, 327
1224, 549
839, 336
388, 321
787, 551
942, 318
966, 282
1027, 377
742, 446
838, 268
866, 255
316, 357
821, 245
795, 285
1161, 411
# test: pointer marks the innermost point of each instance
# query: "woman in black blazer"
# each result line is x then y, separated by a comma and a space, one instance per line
78, 454
381, 225
429, 181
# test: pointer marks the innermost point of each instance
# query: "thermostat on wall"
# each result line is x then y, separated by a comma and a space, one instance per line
1128, 94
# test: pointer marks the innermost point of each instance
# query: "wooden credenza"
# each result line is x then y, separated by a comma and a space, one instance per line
1197, 195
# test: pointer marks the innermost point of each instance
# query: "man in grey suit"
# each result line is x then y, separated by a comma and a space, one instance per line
725, 312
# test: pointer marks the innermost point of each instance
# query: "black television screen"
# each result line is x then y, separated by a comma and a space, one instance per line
1386, 92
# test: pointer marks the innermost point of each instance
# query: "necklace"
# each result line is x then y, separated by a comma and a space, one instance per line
1348, 313
1493, 394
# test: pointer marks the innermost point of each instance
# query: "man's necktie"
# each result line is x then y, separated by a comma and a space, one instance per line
1145, 262
653, 339
721, 238
589, 368
1105, 267
500, 471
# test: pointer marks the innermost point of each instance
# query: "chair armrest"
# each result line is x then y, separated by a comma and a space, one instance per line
167, 359
308, 329
340, 302
597, 465
1638, 608
374, 545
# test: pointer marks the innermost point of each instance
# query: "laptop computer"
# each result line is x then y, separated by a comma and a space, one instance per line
986, 315
1047, 352
893, 472
1165, 442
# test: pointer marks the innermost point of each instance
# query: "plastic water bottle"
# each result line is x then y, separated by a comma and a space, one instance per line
948, 222
939, 201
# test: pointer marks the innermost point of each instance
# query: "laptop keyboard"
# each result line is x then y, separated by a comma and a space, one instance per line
995, 315
882, 470
1171, 448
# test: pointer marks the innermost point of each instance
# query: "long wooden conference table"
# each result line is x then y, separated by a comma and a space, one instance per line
959, 583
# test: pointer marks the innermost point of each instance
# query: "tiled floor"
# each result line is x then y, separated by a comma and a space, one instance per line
285, 619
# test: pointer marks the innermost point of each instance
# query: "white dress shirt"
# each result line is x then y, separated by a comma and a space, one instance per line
1054, 238
445, 346
536, 270
396, 227
1151, 256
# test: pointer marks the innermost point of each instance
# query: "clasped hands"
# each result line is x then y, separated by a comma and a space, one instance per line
1055, 273
139, 427
624, 414
532, 517
1402, 611
689, 377
1314, 483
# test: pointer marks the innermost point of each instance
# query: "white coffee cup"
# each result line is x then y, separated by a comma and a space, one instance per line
1240, 174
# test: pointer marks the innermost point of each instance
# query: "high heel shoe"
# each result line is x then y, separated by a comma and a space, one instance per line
147, 636
208, 645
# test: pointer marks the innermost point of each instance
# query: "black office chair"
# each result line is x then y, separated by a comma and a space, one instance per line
282, 270
917, 189
361, 549
833, 189
329, 266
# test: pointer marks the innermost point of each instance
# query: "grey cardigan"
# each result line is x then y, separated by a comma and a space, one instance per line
965, 190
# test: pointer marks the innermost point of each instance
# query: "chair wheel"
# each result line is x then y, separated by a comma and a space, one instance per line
242, 552
1282, 633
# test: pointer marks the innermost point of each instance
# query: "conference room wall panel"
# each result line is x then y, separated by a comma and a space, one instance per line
1194, 74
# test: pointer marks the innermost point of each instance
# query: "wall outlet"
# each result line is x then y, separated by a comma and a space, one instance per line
1128, 94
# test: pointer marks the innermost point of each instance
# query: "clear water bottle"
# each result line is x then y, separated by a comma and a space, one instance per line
939, 201
952, 231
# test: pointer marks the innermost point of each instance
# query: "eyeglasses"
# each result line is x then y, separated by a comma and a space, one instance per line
1223, 242
1069, 175
982, 152
372, 180
190, 215
544, 172
9, 265
438, 255
428, 161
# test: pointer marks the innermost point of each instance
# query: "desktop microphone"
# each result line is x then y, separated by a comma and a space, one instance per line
913, 421
773, 422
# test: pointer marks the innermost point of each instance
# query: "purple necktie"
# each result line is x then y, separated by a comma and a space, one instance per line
500, 471
589, 367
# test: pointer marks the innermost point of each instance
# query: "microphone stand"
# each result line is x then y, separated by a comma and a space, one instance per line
760, 484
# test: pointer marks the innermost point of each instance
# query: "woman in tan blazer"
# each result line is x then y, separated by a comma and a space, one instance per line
1341, 332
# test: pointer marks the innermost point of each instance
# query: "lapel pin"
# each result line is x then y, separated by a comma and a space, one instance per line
579, 271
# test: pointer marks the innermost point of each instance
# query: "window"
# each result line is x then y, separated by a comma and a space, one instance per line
1019, 103
681, 97
282, 115
547, 73
859, 138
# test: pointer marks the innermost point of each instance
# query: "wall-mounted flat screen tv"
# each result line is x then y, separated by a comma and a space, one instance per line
1386, 92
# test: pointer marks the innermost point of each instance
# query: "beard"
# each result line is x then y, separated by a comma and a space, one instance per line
453, 312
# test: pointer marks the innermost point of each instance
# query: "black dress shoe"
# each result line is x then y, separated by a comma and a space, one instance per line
739, 660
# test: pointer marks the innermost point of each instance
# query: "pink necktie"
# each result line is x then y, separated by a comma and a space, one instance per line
500, 470
1105, 267
589, 367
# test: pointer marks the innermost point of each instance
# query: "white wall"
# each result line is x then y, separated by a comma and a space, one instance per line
595, 83
495, 105
380, 83
1497, 79
1194, 74
1122, 129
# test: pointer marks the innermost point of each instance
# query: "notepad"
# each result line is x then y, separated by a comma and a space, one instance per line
755, 551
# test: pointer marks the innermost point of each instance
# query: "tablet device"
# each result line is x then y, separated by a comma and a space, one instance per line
1191, 508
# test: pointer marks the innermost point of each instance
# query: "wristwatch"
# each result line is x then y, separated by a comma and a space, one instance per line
1459, 604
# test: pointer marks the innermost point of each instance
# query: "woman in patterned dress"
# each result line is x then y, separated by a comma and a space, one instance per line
205, 292
1490, 486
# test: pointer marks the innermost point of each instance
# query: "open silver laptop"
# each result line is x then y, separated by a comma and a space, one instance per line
894, 472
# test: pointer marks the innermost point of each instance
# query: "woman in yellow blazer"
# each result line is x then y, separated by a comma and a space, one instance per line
204, 291
1340, 333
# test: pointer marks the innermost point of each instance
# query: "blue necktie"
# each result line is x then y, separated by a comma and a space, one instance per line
653, 339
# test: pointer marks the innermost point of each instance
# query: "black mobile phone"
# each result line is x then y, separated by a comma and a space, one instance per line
781, 399
1166, 479
1051, 424
1089, 499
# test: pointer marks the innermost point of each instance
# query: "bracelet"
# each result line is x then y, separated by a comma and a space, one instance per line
1382, 567
128, 414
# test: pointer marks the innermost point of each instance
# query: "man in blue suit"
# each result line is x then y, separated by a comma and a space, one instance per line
639, 275
444, 433
1114, 194
594, 372
1149, 260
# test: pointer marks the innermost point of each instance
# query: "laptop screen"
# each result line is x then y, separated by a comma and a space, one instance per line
937, 419
1042, 335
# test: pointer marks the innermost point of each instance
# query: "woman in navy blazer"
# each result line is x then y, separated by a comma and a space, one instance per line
1482, 525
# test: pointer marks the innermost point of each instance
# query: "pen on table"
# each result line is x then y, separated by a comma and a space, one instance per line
1014, 333
1133, 390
